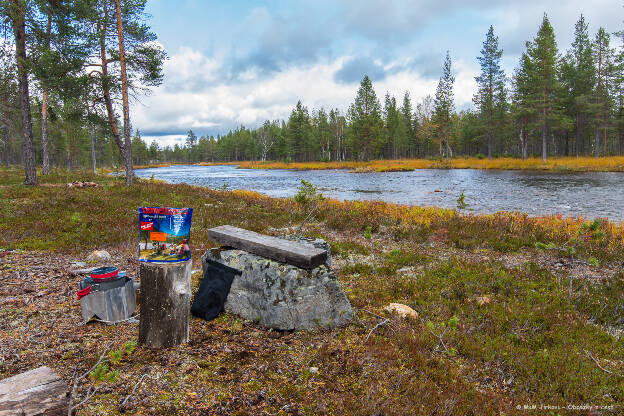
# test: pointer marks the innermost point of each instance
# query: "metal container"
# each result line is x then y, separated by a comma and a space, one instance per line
110, 299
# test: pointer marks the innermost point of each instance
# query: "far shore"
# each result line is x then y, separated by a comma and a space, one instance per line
565, 164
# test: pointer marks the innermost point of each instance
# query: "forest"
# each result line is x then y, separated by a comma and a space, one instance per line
556, 103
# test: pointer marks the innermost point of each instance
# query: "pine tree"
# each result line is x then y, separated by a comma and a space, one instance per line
619, 93
444, 106
365, 121
128, 62
322, 135
17, 13
394, 130
603, 60
299, 132
491, 84
578, 79
337, 128
543, 54
191, 138
9, 105
408, 121
523, 100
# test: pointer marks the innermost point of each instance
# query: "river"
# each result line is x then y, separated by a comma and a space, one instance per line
586, 194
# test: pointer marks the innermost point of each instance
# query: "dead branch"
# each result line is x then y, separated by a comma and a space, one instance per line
440, 340
312, 211
77, 380
123, 403
382, 323
374, 314
588, 354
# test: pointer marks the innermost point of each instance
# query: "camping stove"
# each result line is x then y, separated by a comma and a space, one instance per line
108, 295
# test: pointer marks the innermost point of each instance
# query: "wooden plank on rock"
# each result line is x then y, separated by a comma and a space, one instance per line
285, 251
36, 392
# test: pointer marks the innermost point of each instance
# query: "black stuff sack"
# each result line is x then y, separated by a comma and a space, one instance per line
213, 290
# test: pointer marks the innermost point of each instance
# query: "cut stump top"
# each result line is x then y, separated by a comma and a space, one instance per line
290, 252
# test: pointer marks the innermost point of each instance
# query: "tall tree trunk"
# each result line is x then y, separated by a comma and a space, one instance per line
597, 141
44, 132
525, 145
577, 132
44, 110
544, 139
598, 110
604, 133
19, 30
620, 121
124, 96
68, 144
110, 112
489, 127
92, 134
6, 138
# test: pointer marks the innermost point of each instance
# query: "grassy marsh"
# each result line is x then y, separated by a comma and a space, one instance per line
495, 330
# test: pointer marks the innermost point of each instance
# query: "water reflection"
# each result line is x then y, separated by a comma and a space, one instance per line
590, 195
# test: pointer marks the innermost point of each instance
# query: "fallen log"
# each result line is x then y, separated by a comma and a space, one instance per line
36, 392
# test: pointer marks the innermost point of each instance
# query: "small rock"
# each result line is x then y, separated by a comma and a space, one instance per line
483, 300
403, 311
78, 264
313, 370
99, 255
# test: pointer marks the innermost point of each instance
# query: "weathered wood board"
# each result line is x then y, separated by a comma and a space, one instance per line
285, 251
36, 392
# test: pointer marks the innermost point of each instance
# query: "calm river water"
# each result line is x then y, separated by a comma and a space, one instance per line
589, 195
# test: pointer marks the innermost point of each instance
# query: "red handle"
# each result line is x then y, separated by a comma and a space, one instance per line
83, 292
105, 275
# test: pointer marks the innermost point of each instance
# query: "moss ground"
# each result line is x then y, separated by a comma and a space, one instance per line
498, 326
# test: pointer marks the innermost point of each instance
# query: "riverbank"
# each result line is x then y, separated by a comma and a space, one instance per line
572, 164
498, 325
560, 164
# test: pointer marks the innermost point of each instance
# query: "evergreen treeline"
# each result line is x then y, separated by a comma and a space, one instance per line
554, 104
66, 68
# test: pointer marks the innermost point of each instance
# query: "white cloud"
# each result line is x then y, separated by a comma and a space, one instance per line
218, 106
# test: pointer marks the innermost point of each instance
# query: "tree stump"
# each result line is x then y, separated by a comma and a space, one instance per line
165, 304
36, 392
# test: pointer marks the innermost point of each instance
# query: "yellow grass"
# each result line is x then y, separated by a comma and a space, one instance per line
608, 164
166, 165
152, 165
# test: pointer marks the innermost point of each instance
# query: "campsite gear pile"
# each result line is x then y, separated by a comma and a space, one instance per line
107, 294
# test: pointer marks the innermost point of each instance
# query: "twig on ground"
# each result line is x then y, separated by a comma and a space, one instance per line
133, 390
77, 380
90, 394
588, 354
312, 211
374, 314
440, 341
382, 323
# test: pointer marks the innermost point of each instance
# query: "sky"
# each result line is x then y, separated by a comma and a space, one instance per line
241, 62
